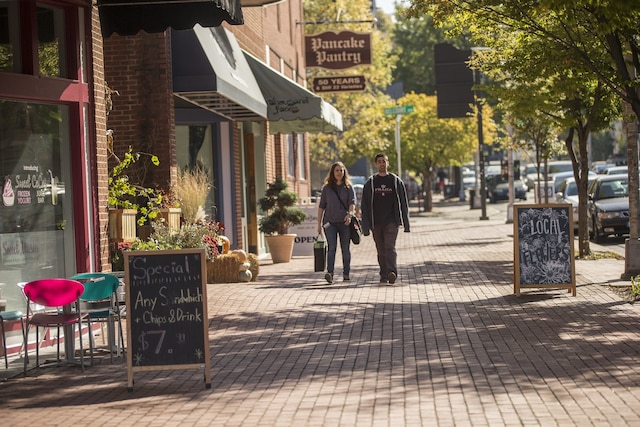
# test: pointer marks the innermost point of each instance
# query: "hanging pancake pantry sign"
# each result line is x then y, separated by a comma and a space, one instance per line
337, 51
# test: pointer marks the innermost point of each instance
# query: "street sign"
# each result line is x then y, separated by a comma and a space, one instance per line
393, 111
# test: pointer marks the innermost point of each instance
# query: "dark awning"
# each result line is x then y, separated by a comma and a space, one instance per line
128, 17
291, 107
210, 71
259, 3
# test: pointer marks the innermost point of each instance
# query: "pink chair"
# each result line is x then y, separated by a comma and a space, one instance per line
61, 299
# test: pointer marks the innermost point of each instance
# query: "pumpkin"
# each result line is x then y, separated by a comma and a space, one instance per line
241, 255
245, 276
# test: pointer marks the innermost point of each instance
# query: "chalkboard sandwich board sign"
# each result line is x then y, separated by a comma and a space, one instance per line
167, 323
543, 247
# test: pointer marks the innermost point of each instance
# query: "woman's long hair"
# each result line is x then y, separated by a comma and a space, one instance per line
330, 179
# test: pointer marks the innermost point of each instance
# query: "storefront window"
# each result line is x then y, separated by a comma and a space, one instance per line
194, 149
9, 40
291, 155
36, 223
51, 46
301, 159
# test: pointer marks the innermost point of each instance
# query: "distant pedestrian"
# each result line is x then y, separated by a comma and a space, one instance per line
442, 177
336, 208
384, 210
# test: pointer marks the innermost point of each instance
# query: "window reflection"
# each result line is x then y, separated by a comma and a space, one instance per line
36, 233
51, 46
9, 39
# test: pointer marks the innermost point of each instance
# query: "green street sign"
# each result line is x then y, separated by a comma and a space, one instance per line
394, 111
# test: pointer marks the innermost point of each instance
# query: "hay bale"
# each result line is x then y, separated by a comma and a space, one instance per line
255, 266
225, 268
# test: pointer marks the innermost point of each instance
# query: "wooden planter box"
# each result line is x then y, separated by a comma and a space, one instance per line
122, 225
171, 218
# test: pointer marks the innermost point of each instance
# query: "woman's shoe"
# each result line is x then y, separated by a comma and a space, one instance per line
346, 278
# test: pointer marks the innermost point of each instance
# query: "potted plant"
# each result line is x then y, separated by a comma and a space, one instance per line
130, 204
191, 191
281, 213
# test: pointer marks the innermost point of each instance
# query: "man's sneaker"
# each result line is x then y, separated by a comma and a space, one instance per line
383, 280
346, 278
329, 278
392, 277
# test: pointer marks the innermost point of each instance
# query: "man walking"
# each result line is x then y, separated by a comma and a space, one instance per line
384, 210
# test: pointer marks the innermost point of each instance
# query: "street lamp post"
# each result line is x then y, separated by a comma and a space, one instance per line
483, 189
398, 118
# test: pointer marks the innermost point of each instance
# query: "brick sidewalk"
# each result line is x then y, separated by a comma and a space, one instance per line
448, 344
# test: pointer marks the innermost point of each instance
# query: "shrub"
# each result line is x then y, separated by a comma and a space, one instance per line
279, 204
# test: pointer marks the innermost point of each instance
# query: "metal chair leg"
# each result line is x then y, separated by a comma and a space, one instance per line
4, 344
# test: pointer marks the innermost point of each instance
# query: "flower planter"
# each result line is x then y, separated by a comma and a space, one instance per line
281, 247
122, 225
170, 217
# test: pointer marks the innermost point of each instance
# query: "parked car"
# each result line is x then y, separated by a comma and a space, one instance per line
357, 188
498, 188
559, 178
559, 166
608, 207
616, 170
554, 167
358, 179
468, 179
568, 193
601, 167
531, 175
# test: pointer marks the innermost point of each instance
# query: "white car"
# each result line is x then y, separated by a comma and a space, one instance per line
568, 193
617, 170
468, 179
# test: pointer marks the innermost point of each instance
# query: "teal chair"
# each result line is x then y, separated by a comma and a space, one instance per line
9, 316
100, 301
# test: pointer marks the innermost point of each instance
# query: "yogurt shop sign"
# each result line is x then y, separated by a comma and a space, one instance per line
337, 51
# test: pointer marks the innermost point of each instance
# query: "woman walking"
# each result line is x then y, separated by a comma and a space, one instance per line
337, 206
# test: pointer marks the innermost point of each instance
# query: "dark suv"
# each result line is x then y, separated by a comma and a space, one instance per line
608, 208
498, 188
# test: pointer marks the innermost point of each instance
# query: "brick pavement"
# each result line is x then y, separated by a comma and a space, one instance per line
448, 345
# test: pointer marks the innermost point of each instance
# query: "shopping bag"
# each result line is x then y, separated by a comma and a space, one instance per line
320, 254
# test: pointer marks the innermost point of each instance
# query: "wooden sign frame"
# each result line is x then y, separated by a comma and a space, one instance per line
166, 300
543, 247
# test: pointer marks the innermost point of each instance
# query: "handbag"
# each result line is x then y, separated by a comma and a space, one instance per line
355, 228
319, 254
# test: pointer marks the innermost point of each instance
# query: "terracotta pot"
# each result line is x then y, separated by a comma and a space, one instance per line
281, 247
